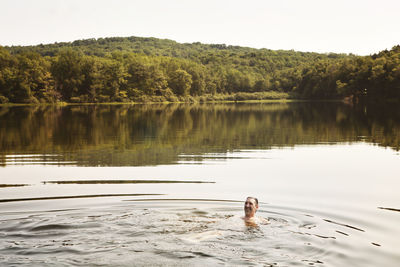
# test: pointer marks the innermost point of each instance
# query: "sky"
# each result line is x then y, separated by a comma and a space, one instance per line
361, 27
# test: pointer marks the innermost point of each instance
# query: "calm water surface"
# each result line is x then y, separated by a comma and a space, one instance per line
165, 185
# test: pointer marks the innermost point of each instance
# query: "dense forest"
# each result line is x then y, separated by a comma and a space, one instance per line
156, 70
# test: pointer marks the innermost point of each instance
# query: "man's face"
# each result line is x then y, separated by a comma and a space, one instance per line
250, 207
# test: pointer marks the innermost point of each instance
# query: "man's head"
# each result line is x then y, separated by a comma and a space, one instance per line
250, 207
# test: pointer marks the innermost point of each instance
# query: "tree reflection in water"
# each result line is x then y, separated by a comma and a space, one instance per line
133, 135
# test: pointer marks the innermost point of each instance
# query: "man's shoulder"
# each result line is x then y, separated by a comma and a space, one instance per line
256, 220
261, 220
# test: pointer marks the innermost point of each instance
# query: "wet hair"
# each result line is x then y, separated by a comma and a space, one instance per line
254, 199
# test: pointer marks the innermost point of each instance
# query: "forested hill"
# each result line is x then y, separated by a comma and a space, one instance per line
262, 61
150, 69
198, 52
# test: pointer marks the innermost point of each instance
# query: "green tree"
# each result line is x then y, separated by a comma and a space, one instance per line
34, 81
8, 73
67, 72
180, 82
112, 78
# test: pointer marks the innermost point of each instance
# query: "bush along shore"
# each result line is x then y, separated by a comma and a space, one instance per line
142, 70
207, 98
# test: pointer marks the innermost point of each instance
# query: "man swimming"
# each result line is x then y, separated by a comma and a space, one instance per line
250, 219
250, 209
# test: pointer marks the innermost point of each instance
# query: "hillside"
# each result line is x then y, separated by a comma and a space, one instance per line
151, 69
261, 61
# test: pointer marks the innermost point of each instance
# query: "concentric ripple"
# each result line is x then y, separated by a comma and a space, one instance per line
176, 232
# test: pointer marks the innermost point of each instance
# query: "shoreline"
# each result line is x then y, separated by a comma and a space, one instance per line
62, 104
256, 97
195, 100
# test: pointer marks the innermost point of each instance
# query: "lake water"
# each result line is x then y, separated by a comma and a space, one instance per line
165, 185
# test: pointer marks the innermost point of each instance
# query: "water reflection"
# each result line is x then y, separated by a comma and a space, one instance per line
72, 197
159, 134
12, 185
126, 182
391, 209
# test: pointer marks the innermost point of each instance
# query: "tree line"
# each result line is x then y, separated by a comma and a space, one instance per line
150, 69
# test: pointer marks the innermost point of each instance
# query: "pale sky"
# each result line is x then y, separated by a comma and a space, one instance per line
343, 26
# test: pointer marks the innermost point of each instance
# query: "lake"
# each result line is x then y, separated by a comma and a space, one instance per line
160, 185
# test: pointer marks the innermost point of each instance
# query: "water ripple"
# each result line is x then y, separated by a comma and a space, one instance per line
177, 232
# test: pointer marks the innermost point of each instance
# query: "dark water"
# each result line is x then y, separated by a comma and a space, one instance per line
165, 185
